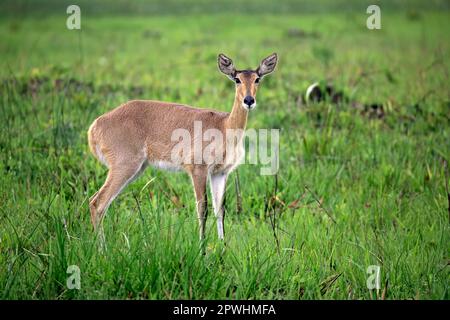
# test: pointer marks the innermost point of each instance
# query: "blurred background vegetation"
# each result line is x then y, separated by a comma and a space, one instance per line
19, 8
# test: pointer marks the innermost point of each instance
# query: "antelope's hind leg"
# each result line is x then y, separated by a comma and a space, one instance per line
119, 176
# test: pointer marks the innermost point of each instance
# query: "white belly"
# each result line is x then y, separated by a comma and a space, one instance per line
165, 165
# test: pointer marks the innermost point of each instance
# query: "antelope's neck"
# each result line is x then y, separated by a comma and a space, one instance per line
238, 116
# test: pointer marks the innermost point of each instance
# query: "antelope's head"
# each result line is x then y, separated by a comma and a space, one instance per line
247, 81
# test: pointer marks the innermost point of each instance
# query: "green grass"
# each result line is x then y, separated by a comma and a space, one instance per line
381, 179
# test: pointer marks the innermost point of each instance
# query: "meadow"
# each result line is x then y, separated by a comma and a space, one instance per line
362, 182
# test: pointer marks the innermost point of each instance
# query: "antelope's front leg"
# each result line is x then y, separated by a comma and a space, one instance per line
218, 187
199, 178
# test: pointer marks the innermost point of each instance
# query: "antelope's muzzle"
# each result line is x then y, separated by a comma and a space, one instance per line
249, 102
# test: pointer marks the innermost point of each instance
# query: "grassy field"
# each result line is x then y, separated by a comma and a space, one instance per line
361, 183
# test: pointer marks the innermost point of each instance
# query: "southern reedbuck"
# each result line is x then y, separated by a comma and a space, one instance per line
140, 133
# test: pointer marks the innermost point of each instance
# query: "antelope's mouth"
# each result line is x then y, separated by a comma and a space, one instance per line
247, 107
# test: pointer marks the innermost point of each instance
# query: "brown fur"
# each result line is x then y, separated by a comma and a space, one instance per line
139, 133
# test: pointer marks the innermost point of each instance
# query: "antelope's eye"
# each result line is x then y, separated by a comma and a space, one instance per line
237, 80
257, 80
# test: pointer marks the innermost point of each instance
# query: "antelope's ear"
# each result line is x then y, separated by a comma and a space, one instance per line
226, 66
267, 65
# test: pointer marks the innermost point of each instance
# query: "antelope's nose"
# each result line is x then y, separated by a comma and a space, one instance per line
249, 101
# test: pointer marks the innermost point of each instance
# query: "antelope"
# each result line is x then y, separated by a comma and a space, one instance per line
139, 133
